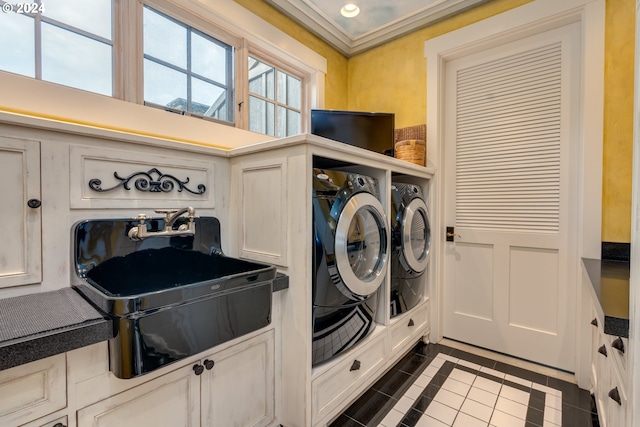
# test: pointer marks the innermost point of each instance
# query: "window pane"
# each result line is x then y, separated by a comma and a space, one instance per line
17, 45
74, 60
261, 79
208, 58
164, 39
164, 86
294, 92
261, 116
282, 87
288, 90
293, 122
288, 122
94, 16
207, 99
282, 122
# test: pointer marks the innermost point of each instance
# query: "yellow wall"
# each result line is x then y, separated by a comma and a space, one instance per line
400, 67
392, 78
618, 121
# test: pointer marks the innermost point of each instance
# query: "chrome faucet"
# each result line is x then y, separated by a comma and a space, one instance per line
170, 217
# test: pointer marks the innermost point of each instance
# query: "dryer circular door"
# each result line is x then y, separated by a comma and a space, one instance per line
361, 244
416, 235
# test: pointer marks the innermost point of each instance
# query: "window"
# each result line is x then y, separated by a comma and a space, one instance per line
186, 70
61, 41
190, 58
275, 100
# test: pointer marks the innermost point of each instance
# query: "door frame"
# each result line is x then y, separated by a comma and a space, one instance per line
531, 18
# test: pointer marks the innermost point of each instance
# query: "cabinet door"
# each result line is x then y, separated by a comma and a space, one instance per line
31, 391
239, 390
20, 177
169, 400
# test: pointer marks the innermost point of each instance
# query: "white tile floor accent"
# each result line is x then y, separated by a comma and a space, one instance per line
468, 400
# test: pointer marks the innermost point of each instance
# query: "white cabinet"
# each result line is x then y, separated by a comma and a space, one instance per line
53, 420
31, 391
406, 329
239, 390
608, 371
20, 258
235, 387
171, 400
272, 192
357, 370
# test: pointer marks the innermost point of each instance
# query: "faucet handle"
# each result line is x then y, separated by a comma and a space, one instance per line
142, 218
166, 212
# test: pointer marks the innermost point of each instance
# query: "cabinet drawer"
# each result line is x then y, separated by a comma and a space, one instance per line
615, 401
50, 421
409, 326
170, 400
33, 390
619, 350
335, 388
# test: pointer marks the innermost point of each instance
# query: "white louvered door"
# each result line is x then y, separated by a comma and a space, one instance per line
510, 137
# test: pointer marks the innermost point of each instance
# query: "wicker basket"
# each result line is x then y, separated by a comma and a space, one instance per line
412, 150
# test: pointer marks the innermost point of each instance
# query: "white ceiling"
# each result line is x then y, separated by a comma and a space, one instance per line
378, 22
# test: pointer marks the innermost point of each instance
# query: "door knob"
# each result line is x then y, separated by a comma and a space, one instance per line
198, 369
34, 203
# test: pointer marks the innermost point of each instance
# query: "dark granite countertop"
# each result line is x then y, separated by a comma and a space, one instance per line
37, 326
610, 283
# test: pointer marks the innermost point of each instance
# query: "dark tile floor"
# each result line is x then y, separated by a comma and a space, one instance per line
439, 386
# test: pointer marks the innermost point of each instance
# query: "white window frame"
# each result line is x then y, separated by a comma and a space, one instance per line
228, 23
279, 65
222, 19
39, 19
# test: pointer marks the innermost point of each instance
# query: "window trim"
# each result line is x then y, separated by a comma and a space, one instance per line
229, 88
285, 68
250, 35
124, 112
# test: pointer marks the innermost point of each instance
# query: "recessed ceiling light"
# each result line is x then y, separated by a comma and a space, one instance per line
350, 10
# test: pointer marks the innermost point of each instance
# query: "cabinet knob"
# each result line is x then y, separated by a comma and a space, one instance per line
603, 350
209, 364
615, 396
411, 323
59, 425
618, 345
594, 322
198, 369
355, 366
34, 203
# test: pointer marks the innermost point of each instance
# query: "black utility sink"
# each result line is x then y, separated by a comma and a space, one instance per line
170, 297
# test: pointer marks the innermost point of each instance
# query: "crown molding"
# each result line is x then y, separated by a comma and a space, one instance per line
316, 21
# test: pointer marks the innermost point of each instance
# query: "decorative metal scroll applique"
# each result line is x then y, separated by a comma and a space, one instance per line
152, 181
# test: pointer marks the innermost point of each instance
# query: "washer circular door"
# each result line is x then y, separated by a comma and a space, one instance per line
416, 235
361, 244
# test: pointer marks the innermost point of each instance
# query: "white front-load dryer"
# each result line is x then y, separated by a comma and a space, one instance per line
410, 243
350, 242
